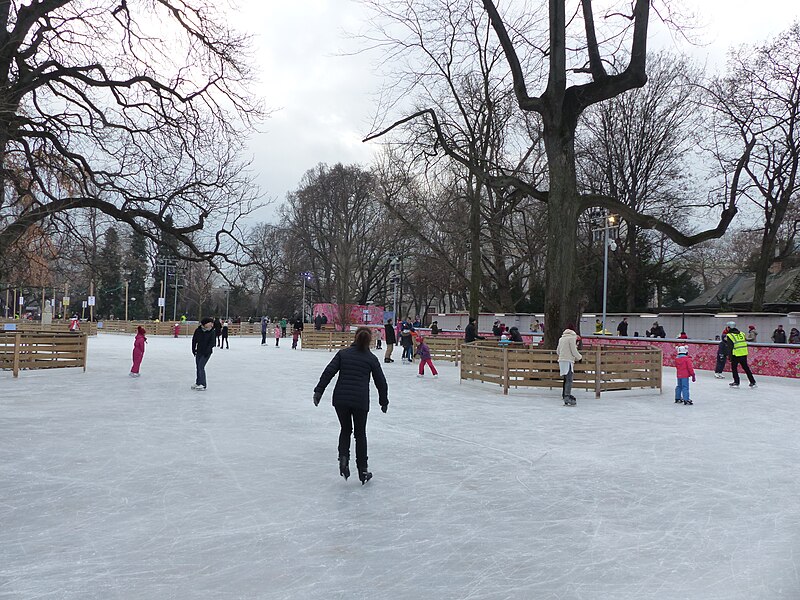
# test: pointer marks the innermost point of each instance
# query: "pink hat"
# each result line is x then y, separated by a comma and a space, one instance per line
752, 326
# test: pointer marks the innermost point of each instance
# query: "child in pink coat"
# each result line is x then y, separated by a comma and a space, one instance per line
138, 350
424, 354
684, 369
277, 334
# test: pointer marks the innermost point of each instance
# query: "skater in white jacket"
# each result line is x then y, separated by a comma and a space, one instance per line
567, 355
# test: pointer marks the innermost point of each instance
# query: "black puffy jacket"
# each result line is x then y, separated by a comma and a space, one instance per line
203, 341
352, 388
391, 338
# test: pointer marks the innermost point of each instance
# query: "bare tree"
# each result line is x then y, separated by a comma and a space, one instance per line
637, 147
137, 110
759, 101
581, 72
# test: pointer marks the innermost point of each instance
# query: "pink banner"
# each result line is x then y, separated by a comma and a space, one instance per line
357, 314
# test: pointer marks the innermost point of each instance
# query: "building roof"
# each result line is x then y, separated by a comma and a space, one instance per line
783, 290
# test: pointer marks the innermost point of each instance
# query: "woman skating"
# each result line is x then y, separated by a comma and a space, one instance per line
355, 365
138, 350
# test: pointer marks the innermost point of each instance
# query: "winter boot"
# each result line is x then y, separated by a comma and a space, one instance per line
344, 466
363, 474
678, 400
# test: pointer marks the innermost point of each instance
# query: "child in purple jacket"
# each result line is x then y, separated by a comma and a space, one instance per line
424, 354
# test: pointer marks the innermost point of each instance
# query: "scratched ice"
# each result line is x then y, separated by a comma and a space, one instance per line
119, 488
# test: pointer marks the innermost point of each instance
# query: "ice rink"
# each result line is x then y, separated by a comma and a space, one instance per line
120, 488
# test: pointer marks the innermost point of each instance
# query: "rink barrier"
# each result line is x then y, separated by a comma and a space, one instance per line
29, 350
603, 368
59, 326
329, 340
186, 329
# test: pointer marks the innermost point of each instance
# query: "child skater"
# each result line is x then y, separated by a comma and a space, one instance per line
138, 350
685, 369
278, 331
424, 354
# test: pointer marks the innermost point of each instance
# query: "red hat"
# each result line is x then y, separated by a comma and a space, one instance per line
140, 330
752, 327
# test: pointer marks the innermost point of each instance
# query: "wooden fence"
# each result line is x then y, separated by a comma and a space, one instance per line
57, 326
603, 368
21, 350
327, 339
185, 329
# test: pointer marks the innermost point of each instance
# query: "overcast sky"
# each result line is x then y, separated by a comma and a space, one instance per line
324, 102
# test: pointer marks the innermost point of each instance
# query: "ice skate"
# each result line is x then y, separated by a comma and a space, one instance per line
420, 375
364, 476
687, 402
199, 388
733, 385
753, 385
137, 375
436, 376
386, 360
718, 375
678, 400
570, 400
344, 466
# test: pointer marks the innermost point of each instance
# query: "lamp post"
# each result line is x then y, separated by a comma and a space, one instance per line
306, 275
393, 263
682, 302
609, 222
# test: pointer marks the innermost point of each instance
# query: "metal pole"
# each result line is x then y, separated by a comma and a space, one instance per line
91, 306
7, 290
303, 307
227, 303
175, 303
605, 272
683, 316
126, 300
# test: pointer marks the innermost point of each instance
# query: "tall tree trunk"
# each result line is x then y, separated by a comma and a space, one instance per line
561, 299
763, 264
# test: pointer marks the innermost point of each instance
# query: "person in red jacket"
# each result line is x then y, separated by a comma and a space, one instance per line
684, 369
138, 350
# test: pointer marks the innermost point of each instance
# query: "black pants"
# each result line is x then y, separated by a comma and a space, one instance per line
200, 362
720, 366
263, 337
224, 340
741, 360
353, 422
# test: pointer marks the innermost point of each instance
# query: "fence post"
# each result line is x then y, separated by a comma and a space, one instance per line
84, 349
597, 376
15, 362
505, 370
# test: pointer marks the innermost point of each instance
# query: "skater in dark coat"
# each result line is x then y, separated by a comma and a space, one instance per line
471, 332
391, 340
203, 342
224, 338
217, 330
407, 342
354, 365
263, 331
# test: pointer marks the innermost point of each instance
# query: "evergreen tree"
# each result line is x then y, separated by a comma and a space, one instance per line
110, 289
136, 268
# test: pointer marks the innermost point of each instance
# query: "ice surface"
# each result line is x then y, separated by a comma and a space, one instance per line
112, 487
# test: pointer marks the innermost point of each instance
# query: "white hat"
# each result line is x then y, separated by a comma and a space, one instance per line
682, 349
731, 324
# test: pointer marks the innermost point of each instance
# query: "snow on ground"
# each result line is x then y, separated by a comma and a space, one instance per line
112, 487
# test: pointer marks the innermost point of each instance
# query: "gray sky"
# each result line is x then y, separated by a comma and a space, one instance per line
324, 102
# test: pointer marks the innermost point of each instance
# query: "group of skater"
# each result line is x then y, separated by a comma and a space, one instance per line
356, 366
279, 331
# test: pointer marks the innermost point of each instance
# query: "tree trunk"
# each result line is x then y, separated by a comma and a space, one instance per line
765, 259
561, 297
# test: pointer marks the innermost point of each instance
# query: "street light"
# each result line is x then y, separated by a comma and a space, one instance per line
393, 263
609, 222
682, 301
306, 275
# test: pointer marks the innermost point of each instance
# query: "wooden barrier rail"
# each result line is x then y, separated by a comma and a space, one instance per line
185, 329
603, 368
20, 350
327, 340
56, 326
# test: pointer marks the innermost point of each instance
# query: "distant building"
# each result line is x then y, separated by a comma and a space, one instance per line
735, 292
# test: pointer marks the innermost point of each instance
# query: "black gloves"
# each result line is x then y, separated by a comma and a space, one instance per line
317, 398
384, 407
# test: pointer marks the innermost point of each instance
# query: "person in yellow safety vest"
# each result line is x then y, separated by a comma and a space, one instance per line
737, 350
